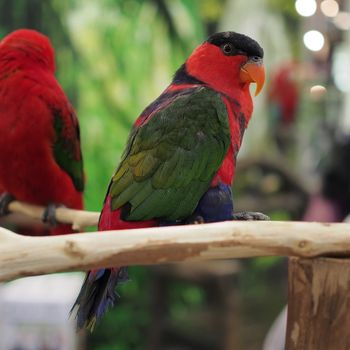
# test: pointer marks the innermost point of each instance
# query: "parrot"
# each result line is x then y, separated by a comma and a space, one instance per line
40, 155
179, 161
283, 98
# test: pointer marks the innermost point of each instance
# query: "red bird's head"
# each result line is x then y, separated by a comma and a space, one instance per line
227, 62
26, 47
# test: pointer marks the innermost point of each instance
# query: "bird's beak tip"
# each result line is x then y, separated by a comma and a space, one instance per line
253, 72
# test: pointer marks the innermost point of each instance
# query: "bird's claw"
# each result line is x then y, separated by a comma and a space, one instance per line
250, 215
5, 199
49, 215
195, 220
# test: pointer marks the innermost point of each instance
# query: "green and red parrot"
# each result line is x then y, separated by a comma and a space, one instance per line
179, 162
40, 156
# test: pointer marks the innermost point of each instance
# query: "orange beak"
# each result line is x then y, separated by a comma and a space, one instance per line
253, 72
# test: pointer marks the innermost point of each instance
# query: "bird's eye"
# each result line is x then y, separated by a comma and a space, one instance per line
227, 49
255, 58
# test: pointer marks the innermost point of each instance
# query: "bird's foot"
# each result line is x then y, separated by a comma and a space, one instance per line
195, 220
49, 216
5, 199
249, 215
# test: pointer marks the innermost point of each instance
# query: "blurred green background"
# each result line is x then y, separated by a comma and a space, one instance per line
113, 58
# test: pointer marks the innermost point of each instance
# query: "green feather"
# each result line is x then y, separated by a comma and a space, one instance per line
66, 148
170, 161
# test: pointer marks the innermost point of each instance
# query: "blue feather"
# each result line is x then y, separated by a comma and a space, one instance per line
97, 295
216, 204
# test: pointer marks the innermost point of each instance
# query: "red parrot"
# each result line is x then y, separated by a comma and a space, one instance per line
284, 92
179, 161
283, 99
40, 157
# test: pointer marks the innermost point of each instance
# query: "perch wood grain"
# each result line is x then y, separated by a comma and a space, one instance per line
318, 304
25, 256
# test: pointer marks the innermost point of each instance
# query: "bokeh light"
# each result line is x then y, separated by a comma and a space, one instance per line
317, 92
341, 69
313, 40
306, 8
342, 20
330, 8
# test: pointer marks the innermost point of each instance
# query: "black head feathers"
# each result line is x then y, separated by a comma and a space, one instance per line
236, 44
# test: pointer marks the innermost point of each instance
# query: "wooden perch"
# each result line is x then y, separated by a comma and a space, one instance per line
78, 218
25, 256
318, 304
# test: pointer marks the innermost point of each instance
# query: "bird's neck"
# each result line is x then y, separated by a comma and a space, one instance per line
236, 93
182, 77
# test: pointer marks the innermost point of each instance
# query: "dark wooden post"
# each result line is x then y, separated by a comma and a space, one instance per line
318, 304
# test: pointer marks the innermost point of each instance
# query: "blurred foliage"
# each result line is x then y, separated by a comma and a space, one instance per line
291, 19
287, 8
183, 296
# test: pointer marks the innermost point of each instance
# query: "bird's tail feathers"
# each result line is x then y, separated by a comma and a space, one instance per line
97, 295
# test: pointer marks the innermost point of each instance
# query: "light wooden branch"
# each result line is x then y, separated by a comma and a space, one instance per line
24, 256
78, 218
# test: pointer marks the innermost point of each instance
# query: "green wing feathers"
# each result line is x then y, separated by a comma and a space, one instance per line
172, 158
66, 147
